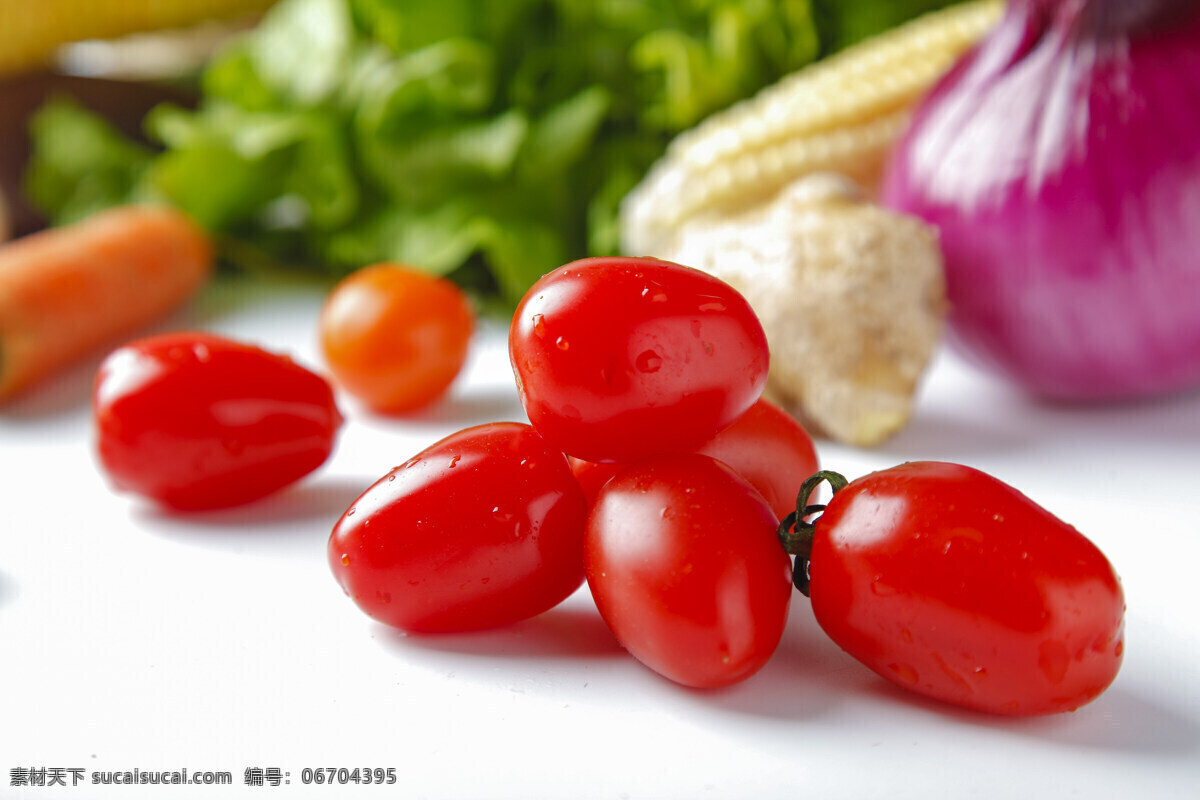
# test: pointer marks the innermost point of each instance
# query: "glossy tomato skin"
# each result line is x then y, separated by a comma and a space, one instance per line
619, 359
948, 582
481, 529
193, 420
766, 446
395, 337
685, 566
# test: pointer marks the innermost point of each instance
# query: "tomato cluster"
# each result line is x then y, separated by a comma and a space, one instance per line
623, 365
653, 470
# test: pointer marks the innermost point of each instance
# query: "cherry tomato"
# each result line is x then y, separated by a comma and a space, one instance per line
685, 566
766, 446
193, 420
394, 337
948, 582
481, 529
618, 359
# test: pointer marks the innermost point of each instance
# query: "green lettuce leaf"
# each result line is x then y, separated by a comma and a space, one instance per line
487, 140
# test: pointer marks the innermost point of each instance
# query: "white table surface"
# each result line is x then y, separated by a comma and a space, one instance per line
135, 639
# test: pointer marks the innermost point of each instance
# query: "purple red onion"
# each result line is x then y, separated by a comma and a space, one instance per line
1060, 162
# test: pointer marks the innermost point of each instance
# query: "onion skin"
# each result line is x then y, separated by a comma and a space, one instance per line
1060, 162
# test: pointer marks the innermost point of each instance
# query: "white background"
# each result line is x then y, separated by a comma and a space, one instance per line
135, 639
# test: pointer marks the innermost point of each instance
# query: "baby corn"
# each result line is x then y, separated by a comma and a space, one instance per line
841, 114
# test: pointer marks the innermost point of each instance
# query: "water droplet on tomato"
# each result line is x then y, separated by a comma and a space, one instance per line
351, 510
345, 560
882, 589
648, 361
539, 325
391, 477
905, 672
571, 412
712, 305
454, 460
201, 351
562, 344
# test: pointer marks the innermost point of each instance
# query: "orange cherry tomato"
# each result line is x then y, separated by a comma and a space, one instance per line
395, 337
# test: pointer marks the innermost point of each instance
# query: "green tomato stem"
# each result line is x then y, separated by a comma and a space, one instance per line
796, 530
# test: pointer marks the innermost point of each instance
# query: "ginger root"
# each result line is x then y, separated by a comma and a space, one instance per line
851, 296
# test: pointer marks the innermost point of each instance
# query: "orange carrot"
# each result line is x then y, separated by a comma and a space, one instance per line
67, 291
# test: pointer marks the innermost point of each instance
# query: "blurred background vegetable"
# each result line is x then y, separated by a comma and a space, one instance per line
1061, 164
65, 292
487, 141
851, 297
394, 337
34, 32
5, 222
842, 114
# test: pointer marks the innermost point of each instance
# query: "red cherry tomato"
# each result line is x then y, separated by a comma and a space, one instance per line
394, 337
193, 420
766, 446
619, 359
685, 566
481, 529
948, 582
